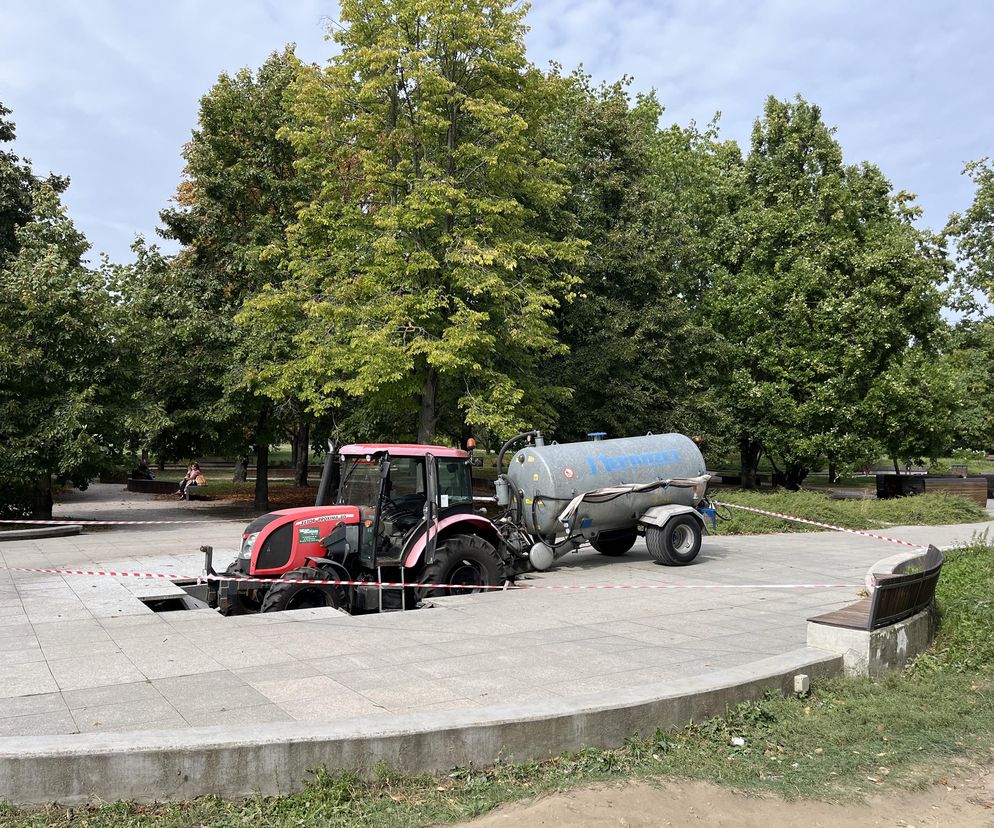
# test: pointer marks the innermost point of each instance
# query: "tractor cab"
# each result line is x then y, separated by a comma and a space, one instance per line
401, 493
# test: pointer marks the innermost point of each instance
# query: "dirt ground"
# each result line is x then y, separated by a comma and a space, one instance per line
967, 801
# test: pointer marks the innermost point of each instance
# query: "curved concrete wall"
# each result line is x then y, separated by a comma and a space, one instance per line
277, 758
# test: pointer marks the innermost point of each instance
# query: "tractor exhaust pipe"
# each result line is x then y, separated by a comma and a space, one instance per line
326, 475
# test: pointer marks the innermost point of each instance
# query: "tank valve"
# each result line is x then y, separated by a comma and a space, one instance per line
541, 556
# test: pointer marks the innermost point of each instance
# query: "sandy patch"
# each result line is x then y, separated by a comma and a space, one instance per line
967, 801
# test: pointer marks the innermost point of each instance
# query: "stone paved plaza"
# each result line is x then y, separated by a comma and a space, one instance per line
83, 654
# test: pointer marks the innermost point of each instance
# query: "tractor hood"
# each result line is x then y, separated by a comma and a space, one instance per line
283, 540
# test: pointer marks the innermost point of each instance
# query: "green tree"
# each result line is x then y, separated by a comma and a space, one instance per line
17, 187
419, 269
825, 285
61, 392
970, 364
653, 205
910, 408
164, 327
973, 234
238, 196
972, 357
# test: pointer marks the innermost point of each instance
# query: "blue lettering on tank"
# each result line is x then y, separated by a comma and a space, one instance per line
631, 461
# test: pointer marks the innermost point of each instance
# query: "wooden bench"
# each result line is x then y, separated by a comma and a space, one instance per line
990, 484
897, 596
152, 486
195, 492
976, 489
971, 488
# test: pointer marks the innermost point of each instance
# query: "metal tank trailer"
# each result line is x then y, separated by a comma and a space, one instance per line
605, 492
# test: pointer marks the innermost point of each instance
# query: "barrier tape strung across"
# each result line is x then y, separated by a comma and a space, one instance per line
398, 584
170, 576
112, 522
861, 532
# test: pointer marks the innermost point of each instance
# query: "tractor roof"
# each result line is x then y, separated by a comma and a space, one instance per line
401, 450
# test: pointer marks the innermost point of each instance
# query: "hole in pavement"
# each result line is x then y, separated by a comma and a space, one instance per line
195, 598
173, 603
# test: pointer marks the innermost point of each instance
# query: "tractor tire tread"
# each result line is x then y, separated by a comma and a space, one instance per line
658, 541
470, 546
281, 591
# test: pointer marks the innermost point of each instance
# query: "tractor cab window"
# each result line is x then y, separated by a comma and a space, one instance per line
455, 482
360, 484
405, 488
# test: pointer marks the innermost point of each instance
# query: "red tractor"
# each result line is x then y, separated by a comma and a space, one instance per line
404, 513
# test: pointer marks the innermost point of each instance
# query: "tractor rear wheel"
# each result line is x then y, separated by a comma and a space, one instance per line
675, 544
286, 595
468, 560
614, 544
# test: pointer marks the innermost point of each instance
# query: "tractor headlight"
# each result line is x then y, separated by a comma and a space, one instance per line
247, 544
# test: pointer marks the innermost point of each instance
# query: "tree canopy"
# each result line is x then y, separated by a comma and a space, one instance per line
824, 286
651, 204
62, 401
238, 196
421, 265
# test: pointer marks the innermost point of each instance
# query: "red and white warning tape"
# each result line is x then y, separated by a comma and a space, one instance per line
171, 576
861, 532
111, 522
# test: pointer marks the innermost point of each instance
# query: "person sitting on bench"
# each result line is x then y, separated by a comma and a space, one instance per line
193, 475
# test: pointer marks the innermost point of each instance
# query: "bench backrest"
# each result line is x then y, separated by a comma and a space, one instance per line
902, 595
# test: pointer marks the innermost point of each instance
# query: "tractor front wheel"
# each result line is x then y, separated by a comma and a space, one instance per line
466, 560
287, 595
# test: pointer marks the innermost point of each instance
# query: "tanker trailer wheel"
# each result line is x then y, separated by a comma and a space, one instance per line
675, 544
614, 544
284, 595
462, 559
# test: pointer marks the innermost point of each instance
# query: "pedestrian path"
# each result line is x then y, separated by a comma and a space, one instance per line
83, 654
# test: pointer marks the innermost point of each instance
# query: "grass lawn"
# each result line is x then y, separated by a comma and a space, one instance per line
919, 510
847, 739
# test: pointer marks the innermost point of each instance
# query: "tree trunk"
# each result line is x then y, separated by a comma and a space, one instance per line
241, 470
160, 463
749, 451
794, 474
294, 449
145, 456
897, 468
41, 498
261, 503
427, 418
302, 441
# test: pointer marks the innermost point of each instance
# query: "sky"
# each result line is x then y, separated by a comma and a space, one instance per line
106, 91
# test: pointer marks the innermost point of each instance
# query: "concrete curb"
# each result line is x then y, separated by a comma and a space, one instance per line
274, 759
39, 532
